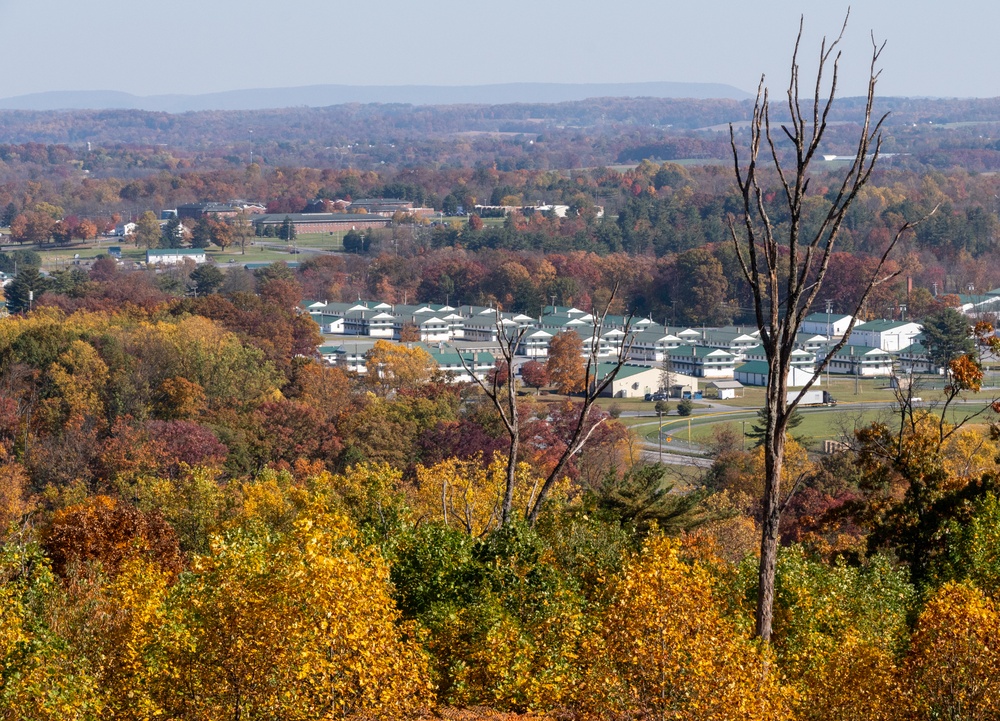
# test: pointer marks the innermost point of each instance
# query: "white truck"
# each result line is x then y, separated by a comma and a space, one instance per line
812, 398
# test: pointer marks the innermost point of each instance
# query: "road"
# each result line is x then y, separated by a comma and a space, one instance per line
677, 452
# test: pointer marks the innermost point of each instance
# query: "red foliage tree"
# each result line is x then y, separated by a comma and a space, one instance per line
535, 374
186, 442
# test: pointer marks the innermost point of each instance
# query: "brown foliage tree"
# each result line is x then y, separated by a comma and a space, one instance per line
109, 531
565, 363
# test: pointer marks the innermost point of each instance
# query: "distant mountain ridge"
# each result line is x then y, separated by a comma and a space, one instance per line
326, 95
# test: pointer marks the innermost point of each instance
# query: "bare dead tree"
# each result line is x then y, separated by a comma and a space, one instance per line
501, 389
786, 270
594, 386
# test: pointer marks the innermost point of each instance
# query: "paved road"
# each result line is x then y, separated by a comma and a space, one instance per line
677, 452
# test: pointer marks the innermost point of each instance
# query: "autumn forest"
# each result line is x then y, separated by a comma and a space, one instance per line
201, 519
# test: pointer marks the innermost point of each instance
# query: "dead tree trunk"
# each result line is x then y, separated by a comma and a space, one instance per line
786, 273
594, 385
501, 389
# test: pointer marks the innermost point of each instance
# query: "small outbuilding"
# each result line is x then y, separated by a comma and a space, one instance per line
727, 390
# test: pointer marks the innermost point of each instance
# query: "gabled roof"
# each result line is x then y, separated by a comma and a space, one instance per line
849, 351
881, 326
754, 367
724, 385
697, 351
824, 318
627, 370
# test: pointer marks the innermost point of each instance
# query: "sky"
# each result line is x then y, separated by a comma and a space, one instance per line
943, 49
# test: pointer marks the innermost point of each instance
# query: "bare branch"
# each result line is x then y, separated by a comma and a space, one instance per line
592, 390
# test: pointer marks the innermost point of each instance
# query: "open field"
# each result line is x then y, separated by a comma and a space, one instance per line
818, 424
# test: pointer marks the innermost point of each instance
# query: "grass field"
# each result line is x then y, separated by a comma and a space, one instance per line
817, 425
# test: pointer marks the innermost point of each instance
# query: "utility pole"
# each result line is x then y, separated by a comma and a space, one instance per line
857, 371
744, 434
659, 434
829, 336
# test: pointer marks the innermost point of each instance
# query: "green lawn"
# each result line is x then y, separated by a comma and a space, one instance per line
818, 424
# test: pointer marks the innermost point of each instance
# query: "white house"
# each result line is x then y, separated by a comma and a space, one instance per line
535, 344
702, 362
861, 361
652, 345
634, 381
828, 324
175, 257
888, 335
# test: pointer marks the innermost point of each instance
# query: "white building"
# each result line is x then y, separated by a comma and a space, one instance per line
755, 373
175, 257
861, 361
827, 324
633, 381
888, 335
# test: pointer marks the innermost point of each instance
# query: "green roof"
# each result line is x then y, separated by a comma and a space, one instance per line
880, 326
857, 351
755, 367
171, 251
627, 370
696, 351
824, 318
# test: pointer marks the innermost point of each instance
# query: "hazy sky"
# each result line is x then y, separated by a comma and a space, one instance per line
197, 46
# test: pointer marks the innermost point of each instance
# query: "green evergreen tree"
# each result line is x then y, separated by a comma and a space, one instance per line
172, 235
947, 335
642, 497
27, 288
759, 428
207, 279
287, 231
201, 234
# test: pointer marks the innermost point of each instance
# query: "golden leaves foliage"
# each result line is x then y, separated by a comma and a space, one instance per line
293, 626
666, 651
112, 623
467, 494
14, 500
41, 677
839, 630
857, 679
954, 664
79, 377
796, 465
391, 365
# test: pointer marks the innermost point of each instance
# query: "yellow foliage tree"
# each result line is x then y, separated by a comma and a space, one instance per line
467, 495
113, 623
856, 679
394, 366
42, 677
79, 377
667, 651
292, 626
954, 663
796, 465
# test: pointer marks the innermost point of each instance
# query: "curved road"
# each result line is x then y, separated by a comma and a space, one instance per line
678, 452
